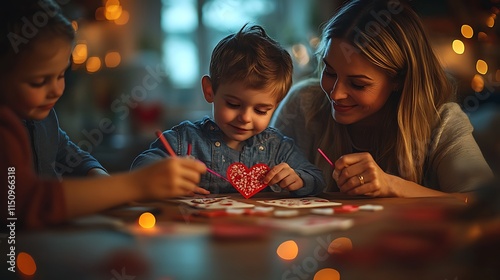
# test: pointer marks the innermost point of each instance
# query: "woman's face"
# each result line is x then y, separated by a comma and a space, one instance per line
356, 88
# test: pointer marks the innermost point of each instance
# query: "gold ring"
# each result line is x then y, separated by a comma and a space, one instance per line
361, 179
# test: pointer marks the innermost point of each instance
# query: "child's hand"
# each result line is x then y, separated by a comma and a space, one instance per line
283, 175
171, 177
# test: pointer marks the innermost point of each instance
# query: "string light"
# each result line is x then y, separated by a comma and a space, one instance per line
467, 31
458, 46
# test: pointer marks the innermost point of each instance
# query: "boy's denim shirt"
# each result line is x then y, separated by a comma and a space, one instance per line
270, 147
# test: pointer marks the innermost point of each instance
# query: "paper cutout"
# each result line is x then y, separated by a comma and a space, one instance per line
248, 181
224, 202
303, 202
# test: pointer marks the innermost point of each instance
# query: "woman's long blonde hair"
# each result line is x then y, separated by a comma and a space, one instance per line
391, 36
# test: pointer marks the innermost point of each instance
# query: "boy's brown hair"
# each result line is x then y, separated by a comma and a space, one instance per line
251, 56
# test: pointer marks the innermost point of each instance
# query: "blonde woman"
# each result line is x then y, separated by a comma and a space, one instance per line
383, 109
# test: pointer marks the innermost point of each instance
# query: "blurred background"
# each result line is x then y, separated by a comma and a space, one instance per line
137, 65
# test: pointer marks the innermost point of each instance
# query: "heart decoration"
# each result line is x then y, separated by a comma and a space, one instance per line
248, 181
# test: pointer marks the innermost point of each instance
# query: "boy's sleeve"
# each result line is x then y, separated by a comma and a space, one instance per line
73, 160
156, 151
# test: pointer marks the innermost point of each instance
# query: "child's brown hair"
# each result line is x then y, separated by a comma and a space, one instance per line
251, 56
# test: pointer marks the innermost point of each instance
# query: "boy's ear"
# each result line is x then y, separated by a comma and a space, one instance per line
206, 86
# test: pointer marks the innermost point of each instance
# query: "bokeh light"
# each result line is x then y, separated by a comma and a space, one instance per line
327, 274
74, 23
340, 245
458, 46
26, 264
123, 19
99, 13
467, 31
299, 52
482, 36
147, 220
93, 64
314, 42
112, 59
481, 66
113, 12
80, 53
490, 21
288, 250
477, 83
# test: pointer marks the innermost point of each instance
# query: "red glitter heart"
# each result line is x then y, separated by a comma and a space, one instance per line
247, 181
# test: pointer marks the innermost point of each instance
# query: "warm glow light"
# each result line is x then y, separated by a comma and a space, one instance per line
497, 75
481, 66
93, 64
80, 53
113, 12
458, 46
340, 245
26, 264
112, 59
327, 274
467, 31
123, 19
288, 250
482, 36
300, 54
474, 232
99, 13
477, 83
111, 3
75, 25
314, 42
490, 21
147, 220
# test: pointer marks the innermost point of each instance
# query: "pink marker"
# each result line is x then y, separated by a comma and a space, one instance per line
327, 159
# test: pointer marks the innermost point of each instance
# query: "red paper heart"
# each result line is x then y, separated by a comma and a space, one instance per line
247, 181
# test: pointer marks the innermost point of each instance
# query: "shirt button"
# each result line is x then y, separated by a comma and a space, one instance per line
217, 144
212, 128
261, 148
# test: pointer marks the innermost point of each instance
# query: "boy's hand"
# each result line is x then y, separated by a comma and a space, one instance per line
283, 175
171, 177
199, 190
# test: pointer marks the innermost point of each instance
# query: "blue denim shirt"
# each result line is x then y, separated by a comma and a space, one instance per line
54, 154
270, 147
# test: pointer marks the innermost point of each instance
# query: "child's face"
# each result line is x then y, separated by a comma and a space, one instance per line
36, 82
239, 111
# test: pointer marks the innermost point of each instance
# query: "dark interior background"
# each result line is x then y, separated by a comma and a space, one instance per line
137, 65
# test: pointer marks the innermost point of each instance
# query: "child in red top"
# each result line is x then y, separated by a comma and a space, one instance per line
31, 81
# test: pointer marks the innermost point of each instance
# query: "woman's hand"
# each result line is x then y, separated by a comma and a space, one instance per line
285, 176
359, 174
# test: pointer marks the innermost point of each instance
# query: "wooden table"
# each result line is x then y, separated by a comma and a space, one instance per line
417, 238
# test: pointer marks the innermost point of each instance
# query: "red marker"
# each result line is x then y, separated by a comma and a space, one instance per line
327, 159
165, 143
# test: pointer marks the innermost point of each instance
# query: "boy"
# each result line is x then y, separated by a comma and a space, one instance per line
250, 74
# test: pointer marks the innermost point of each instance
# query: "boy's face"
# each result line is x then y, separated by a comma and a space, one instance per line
36, 82
239, 111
